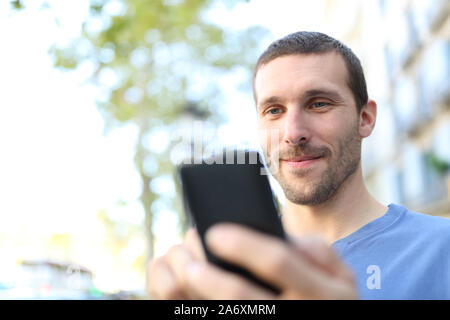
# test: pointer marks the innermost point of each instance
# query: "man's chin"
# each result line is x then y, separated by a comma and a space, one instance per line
303, 191
302, 199
300, 176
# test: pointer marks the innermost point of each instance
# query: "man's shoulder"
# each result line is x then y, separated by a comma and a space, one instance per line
424, 223
410, 255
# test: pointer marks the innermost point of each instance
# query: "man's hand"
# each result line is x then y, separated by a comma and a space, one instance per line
166, 274
303, 268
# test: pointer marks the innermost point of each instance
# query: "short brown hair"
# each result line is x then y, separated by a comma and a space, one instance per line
304, 42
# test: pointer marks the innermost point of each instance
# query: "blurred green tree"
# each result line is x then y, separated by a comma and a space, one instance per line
17, 4
156, 61
438, 164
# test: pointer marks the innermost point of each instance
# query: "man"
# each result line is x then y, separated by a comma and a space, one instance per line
310, 89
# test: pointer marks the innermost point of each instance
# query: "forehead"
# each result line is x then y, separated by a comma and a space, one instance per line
293, 74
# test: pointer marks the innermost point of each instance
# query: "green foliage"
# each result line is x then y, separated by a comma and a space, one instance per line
439, 165
150, 43
17, 5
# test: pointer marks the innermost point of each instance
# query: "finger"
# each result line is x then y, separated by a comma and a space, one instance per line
179, 257
161, 283
193, 242
211, 282
320, 253
269, 258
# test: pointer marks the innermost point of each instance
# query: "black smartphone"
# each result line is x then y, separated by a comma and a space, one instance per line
231, 188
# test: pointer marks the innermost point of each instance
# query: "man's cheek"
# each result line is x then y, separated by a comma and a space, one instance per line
270, 143
263, 142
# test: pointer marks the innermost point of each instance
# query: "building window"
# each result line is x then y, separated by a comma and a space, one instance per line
405, 103
435, 72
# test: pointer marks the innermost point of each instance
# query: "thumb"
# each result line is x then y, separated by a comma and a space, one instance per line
321, 254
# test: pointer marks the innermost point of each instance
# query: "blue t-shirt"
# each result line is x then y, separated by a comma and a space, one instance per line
401, 255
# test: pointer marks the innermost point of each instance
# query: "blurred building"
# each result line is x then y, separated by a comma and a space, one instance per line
46, 279
54, 280
405, 51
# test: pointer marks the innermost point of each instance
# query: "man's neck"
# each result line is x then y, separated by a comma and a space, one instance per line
350, 208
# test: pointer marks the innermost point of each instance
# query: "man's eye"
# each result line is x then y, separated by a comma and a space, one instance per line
274, 111
318, 105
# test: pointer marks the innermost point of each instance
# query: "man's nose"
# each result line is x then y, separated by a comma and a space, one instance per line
296, 127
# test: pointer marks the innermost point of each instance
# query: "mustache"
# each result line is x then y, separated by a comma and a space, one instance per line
303, 150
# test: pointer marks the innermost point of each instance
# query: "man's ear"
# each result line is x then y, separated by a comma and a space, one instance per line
367, 119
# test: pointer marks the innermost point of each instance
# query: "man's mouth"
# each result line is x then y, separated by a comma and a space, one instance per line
301, 161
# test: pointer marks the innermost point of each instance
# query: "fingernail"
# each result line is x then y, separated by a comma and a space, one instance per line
216, 234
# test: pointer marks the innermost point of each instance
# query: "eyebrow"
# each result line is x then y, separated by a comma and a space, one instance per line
330, 94
270, 100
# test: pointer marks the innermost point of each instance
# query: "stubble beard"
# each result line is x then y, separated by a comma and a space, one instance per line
312, 193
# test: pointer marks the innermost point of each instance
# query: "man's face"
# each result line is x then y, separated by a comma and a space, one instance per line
305, 100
